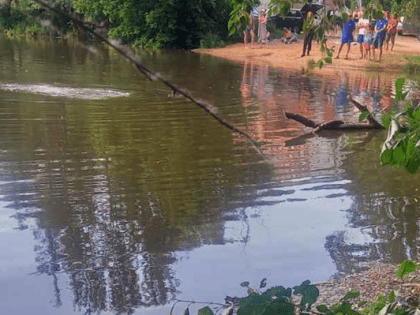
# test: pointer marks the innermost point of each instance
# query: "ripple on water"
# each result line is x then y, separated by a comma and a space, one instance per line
63, 91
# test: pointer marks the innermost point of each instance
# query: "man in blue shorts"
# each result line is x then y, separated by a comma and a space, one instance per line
347, 36
380, 31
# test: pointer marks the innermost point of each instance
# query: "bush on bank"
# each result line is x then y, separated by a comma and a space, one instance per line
148, 23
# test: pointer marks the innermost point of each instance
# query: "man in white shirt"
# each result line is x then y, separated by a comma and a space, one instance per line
362, 25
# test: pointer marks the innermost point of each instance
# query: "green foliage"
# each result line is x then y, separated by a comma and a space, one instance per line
363, 116
309, 294
276, 300
402, 146
205, 311
407, 267
281, 7
148, 23
351, 295
239, 16
211, 41
413, 66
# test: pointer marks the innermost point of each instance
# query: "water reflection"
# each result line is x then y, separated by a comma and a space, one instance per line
337, 155
117, 190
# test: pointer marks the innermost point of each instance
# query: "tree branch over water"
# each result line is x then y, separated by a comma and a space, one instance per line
152, 75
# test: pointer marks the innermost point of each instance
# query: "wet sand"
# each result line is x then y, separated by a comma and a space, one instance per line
280, 55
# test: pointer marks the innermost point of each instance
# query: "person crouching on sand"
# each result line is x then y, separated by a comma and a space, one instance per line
347, 36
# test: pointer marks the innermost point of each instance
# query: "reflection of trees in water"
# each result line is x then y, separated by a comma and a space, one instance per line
385, 208
110, 211
349, 258
392, 238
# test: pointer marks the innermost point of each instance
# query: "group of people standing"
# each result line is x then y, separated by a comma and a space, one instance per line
263, 34
371, 34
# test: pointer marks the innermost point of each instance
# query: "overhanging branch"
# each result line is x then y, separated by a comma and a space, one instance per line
151, 75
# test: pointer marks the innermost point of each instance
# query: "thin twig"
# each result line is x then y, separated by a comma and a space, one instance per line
208, 303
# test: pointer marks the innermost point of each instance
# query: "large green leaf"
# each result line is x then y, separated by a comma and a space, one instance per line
406, 267
252, 309
413, 165
351, 295
205, 311
309, 294
322, 308
279, 307
398, 88
328, 59
363, 115
278, 292
386, 157
252, 299
398, 155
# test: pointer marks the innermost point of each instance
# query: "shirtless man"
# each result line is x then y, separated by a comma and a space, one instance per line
250, 29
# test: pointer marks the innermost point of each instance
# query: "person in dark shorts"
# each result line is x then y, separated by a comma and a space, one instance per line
250, 29
380, 31
347, 36
309, 30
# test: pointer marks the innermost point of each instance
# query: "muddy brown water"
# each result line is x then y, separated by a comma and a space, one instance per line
117, 199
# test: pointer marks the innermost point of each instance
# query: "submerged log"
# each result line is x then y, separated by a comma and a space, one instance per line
330, 125
337, 124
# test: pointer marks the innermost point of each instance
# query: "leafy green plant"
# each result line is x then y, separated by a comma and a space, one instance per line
413, 66
402, 146
211, 41
239, 16
276, 300
406, 267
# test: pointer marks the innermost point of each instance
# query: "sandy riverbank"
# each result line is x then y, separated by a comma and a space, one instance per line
279, 55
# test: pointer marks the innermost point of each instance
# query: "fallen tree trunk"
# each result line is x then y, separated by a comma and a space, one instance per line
338, 124
330, 125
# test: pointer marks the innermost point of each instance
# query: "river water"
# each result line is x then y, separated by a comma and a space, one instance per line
117, 198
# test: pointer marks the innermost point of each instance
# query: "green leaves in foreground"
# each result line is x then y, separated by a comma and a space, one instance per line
327, 59
402, 146
407, 267
309, 294
276, 300
205, 311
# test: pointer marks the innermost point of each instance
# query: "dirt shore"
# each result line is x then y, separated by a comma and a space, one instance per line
280, 55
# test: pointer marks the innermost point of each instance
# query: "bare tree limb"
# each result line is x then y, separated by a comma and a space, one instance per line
369, 117
153, 76
303, 120
330, 125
